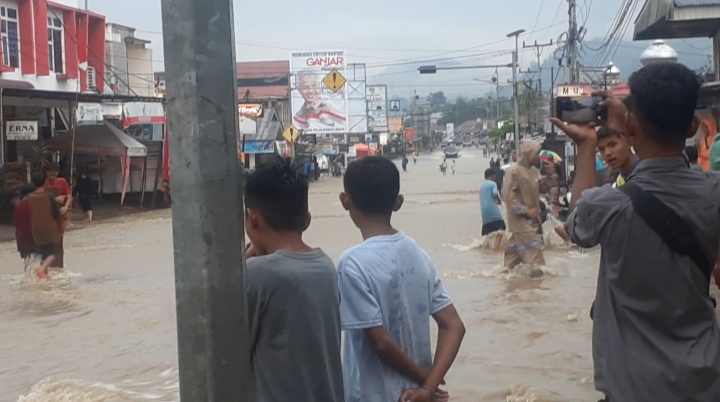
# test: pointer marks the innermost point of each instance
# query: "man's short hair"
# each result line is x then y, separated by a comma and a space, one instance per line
604, 132
664, 97
373, 184
38, 179
692, 154
489, 173
280, 193
506, 160
52, 167
26, 189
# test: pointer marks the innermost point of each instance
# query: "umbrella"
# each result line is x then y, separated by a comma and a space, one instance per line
546, 155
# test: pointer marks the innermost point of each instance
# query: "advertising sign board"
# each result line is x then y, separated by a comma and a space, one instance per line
377, 108
318, 96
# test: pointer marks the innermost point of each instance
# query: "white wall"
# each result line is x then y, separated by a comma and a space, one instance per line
140, 71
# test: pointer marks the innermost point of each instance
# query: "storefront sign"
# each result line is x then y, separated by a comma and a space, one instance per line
259, 147
250, 110
21, 130
89, 114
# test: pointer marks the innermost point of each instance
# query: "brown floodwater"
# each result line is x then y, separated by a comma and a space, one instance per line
104, 331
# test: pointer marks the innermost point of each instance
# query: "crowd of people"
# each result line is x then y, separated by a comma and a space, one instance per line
381, 295
42, 214
655, 331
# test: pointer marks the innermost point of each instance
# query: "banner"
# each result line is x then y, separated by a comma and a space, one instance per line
251, 110
259, 147
409, 134
450, 128
377, 108
319, 108
21, 130
88, 114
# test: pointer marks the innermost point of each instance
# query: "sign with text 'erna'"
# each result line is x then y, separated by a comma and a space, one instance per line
21, 130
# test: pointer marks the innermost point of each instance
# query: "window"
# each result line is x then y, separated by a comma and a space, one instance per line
55, 45
10, 37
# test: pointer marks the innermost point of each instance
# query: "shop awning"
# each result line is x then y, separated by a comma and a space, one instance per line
102, 139
673, 19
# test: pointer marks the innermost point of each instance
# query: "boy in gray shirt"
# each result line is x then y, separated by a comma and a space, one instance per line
293, 300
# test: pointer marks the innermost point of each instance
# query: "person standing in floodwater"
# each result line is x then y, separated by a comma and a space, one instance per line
45, 221
521, 193
60, 189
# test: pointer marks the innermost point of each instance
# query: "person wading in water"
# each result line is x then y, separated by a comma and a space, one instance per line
60, 189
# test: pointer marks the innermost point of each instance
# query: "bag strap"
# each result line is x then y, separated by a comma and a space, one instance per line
669, 226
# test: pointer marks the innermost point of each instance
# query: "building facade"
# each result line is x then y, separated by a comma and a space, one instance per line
52, 46
129, 61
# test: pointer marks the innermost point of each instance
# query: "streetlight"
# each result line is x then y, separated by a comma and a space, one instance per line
516, 35
433, 69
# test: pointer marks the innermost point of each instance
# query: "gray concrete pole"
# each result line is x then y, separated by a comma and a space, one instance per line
207, 195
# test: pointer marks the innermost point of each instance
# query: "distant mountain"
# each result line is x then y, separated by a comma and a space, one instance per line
403, 80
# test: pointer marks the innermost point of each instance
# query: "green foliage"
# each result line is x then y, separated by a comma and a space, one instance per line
38, 157
464, 110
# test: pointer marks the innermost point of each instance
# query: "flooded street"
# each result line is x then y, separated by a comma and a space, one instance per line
105, 331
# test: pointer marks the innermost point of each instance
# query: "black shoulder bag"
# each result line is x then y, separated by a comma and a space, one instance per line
672, 229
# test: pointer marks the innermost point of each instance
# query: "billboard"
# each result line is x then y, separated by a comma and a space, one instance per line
450, 128
409, 134
377, 108
316, 107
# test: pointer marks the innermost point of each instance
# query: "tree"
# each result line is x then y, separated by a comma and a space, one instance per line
437, 99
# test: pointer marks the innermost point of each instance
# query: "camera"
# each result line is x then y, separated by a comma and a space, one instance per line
580, 109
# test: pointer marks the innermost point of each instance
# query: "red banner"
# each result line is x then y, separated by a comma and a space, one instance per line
409, 134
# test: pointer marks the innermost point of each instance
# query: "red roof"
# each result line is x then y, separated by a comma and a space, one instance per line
263, 69
269, 92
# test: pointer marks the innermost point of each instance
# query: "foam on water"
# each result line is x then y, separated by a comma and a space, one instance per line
523, 393
161, 388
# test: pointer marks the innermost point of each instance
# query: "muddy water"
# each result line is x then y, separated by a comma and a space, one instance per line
105, 330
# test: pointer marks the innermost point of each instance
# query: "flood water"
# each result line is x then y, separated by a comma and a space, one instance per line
105, 330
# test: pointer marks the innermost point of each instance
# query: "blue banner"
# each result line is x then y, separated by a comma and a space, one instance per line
259, 147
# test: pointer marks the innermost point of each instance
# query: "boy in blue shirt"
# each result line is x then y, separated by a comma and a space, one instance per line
389, 289
489, 200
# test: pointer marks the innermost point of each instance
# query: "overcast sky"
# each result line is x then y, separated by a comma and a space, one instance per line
378, 32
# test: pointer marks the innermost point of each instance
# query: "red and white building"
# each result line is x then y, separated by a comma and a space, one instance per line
51, 46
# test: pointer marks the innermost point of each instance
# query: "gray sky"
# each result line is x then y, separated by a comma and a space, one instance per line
378, 32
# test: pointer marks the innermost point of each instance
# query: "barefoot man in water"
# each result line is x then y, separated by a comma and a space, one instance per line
45, 223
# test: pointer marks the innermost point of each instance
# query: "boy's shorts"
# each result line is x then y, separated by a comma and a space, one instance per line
46, 251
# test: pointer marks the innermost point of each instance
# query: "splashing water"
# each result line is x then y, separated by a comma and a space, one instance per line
523, 393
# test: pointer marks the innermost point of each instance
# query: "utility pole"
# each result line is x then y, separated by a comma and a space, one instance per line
208, 227
516, 35
572, 73
537, 49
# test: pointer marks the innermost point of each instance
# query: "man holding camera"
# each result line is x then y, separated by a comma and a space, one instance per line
655, 334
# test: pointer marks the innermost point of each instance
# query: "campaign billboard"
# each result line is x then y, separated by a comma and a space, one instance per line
377, 108
319, 95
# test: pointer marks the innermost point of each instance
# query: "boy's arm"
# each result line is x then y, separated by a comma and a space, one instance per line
451, 331
391, 355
